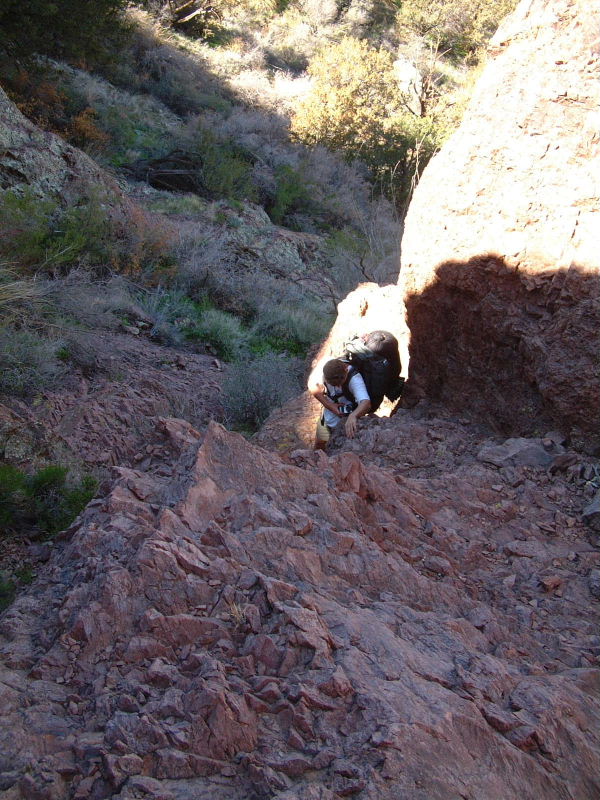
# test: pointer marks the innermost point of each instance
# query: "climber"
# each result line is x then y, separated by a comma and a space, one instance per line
356, 383
343, 394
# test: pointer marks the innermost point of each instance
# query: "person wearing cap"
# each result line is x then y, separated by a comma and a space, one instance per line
343, 395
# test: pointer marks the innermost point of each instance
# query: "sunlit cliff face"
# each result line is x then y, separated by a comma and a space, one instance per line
515, 333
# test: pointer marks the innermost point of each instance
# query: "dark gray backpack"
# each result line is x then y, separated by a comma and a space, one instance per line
378, 361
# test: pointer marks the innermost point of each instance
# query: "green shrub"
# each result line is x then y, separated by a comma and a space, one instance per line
28, 361
39, 233
170, 203
43, 503
7, 592
226, 168
260, 345
252, 389
223, 331
292, 193
171, 312
12, 486
299, 326
63, 28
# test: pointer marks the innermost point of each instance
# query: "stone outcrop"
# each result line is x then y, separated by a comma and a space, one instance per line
500, 255
43, 163
243, 627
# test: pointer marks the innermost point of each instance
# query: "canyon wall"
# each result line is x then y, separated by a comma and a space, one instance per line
500, 256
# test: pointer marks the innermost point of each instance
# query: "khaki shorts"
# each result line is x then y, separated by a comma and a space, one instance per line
324, 432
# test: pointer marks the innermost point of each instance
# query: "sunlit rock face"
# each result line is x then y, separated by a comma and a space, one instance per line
515, 334
42, 163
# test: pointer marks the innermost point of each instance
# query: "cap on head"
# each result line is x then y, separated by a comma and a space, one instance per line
334, 371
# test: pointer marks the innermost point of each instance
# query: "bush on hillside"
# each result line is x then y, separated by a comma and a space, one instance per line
457, 28
252, 389
28, 361
40, 235
355, 106
292, 194
63, 28
222, 331
45, 502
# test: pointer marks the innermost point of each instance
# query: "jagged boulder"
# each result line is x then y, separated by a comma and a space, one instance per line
45, 164
500, 254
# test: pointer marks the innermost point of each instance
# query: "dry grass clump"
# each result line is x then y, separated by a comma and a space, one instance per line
131, 125
79, 299
253, 388
15, 292
27, 357
28, 361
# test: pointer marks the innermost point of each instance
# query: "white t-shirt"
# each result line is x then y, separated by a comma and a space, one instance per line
356, 389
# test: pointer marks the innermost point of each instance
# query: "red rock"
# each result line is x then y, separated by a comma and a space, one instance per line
141, 648
118, 768
499, 719
180, 629
265, 651
170, 763
551, 582
146, 788
337, 685
161, 674
292, 765
523, 737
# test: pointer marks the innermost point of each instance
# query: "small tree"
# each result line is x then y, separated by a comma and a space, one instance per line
458, 28
356, 106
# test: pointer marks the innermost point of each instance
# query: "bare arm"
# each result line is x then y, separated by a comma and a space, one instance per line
351, 423
318, 392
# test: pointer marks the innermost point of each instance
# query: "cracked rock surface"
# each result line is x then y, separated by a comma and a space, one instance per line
421, 624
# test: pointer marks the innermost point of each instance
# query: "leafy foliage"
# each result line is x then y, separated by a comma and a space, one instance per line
42, 235
356, 106
7, 592
458, 28
292, 193
63, 28
226, 168
221, 330
43, 502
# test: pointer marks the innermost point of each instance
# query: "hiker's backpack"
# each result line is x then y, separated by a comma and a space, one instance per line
378, 361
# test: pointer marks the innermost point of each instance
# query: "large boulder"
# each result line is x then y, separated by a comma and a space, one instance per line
500, 255
43, 163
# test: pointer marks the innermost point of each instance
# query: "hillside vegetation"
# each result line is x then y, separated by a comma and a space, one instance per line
269, 149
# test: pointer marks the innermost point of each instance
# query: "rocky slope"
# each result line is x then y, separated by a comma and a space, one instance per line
413, 615
420, 623
105, 411
500, 268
